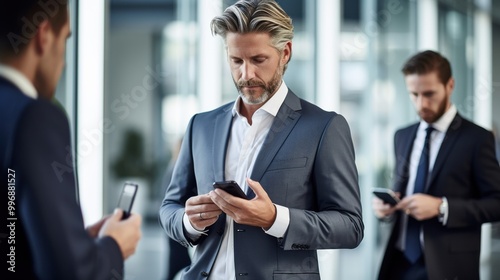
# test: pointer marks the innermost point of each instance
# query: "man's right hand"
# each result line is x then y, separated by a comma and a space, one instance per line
201, 211
126, 233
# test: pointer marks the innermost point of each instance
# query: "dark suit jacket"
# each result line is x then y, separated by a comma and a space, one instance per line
306, 164
50, 239
467, 173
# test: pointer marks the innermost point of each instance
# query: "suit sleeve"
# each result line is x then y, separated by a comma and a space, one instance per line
180, 189
482, 205
338, 221
46, 194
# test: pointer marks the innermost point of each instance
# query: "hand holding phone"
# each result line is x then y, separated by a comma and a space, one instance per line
387, 195
231, 187
126, 199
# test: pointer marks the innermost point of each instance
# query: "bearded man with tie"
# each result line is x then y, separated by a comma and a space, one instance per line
449, 180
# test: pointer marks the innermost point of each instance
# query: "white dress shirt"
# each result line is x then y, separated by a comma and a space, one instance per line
436, 139
19, 80
243, 148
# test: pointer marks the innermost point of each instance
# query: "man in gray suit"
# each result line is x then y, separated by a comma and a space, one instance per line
294, 161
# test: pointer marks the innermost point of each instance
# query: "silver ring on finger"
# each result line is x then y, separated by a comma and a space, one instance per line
201, 216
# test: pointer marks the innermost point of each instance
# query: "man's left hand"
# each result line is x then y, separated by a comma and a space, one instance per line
259, 212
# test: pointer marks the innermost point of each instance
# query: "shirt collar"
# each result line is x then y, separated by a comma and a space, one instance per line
443, 122
272, 106
19, 80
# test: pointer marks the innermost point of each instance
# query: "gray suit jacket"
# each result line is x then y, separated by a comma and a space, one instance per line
306, 164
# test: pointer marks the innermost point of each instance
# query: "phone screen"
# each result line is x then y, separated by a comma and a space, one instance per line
387, 195
232, 188
127, 199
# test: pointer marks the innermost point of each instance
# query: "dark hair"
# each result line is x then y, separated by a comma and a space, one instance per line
19, 21
426, 62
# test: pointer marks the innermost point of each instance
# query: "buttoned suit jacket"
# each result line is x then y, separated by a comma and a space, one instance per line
306, 164
50, 241
467, 173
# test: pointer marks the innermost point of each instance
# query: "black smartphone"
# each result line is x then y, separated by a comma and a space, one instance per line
126, 199
387, 195
231, 187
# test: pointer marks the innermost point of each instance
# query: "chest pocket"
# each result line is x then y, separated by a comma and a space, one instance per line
288, 164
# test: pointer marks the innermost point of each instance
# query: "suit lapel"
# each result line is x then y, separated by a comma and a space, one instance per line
407, 139
285, 120
446, 147
220, 140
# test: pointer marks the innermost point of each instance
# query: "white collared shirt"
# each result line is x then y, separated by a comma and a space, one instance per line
243, 148
19, 80
436, 139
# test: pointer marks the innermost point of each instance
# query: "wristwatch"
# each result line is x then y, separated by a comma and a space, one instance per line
443, 210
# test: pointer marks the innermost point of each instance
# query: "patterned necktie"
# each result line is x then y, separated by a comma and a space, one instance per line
413, 250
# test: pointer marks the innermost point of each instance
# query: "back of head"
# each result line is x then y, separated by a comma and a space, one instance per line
426, 62
260, 16
19, 21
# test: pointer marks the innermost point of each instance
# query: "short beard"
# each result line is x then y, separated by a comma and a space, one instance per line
269, 88
441, 110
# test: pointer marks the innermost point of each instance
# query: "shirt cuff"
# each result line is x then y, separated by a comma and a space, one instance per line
446, 210
280, 225
192, 233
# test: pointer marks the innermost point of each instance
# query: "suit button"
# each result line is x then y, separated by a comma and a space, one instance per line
242, 274
240, 230
204, 274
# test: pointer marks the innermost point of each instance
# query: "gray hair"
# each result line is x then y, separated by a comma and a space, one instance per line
261, 16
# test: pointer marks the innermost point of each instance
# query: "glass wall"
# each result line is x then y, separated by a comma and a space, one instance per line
374, 100
66, 89
456, 20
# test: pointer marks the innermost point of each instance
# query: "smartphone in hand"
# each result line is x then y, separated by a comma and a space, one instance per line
126, 199
231, 187
387, 195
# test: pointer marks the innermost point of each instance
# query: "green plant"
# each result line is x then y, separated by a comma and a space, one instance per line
131, 161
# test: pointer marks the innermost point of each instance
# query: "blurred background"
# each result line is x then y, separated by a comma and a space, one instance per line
137, 70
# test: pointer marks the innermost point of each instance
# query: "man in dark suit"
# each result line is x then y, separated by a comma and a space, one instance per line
294, 161
43, 234
449, 179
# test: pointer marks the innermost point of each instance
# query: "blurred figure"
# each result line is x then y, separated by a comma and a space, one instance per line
47, 238
449, 180
294, 161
